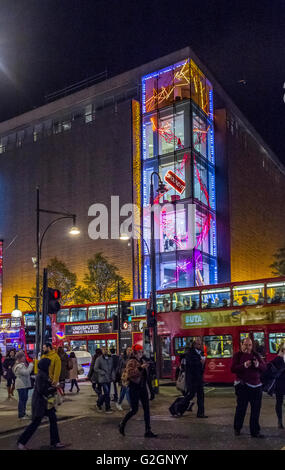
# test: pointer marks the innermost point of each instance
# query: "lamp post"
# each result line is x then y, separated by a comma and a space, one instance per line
161, 190
39, 241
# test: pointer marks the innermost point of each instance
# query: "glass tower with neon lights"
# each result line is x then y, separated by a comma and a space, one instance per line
178, 143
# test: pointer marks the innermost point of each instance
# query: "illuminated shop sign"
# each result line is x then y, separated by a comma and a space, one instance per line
88, 329
177, 183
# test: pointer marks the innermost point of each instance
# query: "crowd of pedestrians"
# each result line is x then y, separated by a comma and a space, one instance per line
130, 375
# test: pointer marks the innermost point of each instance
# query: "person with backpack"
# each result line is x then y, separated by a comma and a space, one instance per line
248, 367
135, 376
42, 405
279, 385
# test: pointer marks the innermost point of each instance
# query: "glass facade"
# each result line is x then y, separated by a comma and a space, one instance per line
178, 143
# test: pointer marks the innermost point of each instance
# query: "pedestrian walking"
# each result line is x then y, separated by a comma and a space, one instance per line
194, 370
42, 405
66, 366
55, 363
248, 367
279, 386
73, 372
103, 367
124, 391
135, 375
115, 372
93, 375
22, 372
8, 373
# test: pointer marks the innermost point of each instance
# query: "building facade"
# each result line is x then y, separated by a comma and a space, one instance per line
169, 116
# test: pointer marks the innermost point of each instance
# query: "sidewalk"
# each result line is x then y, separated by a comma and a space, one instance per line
74, 405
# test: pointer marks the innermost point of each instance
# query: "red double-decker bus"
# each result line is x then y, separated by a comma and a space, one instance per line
87, 327
222, 315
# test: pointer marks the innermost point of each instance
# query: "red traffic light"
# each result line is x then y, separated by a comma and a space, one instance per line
56, 294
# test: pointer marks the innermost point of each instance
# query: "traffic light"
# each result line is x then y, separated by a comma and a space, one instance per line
115, 325
151, 321
126, 312
53, 300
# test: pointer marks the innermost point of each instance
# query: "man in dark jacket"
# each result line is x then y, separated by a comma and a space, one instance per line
194, 367
248, 367
115, 372
43, 391
103, 367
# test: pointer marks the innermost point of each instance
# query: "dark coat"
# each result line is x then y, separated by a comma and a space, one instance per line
194, 368
40, 395
1, 366
279, 363
8, 365
64, 373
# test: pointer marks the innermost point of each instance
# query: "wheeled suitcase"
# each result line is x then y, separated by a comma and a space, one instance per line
180, 405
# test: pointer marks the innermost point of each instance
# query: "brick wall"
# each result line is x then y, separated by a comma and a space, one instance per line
256, 203
74, 170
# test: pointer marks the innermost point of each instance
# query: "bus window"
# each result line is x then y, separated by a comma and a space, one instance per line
30, 319
163, 303
219, 346
180, 344
4, 323
185, 301
259, 341
77, 345
78, 314
275, 292
275, 339
15, 323
112, 310
62, 316
138, 309
94, 344
248, 295
97, 312
216, 298
111, 344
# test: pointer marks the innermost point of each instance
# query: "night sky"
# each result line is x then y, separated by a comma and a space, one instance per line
46, 45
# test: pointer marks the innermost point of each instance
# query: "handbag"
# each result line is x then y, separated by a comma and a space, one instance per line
181, 382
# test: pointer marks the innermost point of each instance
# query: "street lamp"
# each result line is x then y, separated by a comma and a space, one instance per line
17, 313
39, 240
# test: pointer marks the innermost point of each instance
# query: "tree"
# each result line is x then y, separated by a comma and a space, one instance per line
59, 277
101, 281
278, 267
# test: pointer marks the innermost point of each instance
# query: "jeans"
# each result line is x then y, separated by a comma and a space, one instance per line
138, 393
115, 391
31, 429
105, 397
74, 382
23, 398
247, 395
124, 392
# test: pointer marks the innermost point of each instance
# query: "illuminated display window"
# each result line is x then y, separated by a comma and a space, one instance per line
173, 234
178, 142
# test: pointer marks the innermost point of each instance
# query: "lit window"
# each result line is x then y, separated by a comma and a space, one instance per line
248, 295
219, 346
